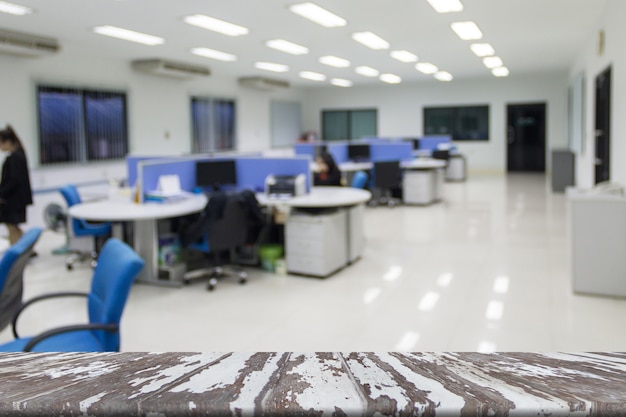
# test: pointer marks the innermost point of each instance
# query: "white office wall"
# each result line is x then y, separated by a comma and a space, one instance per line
591, 63
400, 109
158, 107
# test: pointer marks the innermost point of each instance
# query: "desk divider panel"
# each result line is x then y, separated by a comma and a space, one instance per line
251, 172
131, 166
432, 142
339, 151
391, 151
184, 168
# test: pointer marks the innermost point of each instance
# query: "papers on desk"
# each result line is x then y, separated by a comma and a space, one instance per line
158, 196
168, 190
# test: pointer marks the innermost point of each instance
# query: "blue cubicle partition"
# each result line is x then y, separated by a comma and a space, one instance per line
433, 142
251, 171
132, 163
380, 149
391, 151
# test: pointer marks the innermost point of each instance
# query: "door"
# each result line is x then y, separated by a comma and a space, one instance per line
603, 122
526, 135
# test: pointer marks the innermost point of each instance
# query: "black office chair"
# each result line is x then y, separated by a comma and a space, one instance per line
388, 179
228, 221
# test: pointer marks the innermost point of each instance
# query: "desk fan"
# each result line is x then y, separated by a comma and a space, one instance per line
56, 220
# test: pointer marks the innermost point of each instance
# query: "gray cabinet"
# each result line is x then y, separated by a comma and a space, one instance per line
563, 169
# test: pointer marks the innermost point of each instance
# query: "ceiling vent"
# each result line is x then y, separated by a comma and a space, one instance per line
167, 68
25, 45
262, 83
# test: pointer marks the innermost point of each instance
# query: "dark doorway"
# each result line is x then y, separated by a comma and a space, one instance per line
603, 123
526, 136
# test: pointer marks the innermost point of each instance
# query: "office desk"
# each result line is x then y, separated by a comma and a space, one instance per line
313, 384
318, 241
144, 218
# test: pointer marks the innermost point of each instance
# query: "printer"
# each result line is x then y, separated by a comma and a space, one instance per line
285, 185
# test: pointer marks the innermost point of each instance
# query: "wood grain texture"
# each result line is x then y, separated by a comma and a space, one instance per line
316, 384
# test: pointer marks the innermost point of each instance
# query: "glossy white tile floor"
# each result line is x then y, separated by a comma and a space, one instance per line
486, 270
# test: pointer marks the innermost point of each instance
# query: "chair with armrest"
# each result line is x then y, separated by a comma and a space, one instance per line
110, 285
85, 238
12, 266
229, 221
388, 179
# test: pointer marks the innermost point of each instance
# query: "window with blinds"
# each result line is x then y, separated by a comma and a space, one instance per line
81, 125
213, 124
349, 124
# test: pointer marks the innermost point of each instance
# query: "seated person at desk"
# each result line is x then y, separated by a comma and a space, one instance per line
327, 172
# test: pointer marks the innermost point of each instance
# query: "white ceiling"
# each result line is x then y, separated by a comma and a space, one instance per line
529, 35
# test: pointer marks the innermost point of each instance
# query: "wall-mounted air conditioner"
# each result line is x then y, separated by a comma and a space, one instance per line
168, 68
26, 45
262, 83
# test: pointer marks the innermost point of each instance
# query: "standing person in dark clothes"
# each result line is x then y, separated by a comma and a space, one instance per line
327, 171
15, 191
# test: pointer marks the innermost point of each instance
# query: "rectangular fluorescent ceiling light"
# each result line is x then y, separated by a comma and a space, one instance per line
216, 25
446, 6
128, 35
310, 75
390, 78
335, 61
443, 76
288, 47
482, 49
426, 68
14, 9
403, 56
270, 66
340, 82
214, 54
317, 14
500, 72
492, 62
367, 71
467, 30
371, 40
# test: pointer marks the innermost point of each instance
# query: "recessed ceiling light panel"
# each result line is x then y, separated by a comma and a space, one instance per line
288, 47
403, 56
446, 6
426, 68
14, 9
492, 62
371, 40
500, 72
467, 30
482, 49
367, 71
214, 54
317, 14
216, 25
128, 35
390, 78
313, 76
335, 61
271, 66
340, 82
443, 76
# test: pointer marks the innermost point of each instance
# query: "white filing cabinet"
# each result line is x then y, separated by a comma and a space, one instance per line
456, 169
418, 186
597, 242
316, 244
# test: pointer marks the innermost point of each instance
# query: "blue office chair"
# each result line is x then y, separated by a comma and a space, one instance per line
11, 274
112, 279
359, 180
84, 238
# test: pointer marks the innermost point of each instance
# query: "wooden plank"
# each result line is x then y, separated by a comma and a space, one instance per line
91, 383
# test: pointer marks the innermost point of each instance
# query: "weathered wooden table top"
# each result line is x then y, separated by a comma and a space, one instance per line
274, 383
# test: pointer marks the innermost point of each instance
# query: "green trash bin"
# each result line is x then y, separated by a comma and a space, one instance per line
268, 254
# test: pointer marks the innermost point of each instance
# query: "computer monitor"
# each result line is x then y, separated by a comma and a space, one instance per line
216, 173
358, 152
441, 154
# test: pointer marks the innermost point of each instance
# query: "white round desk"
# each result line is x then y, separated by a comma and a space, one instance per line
144, 216
320, 197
